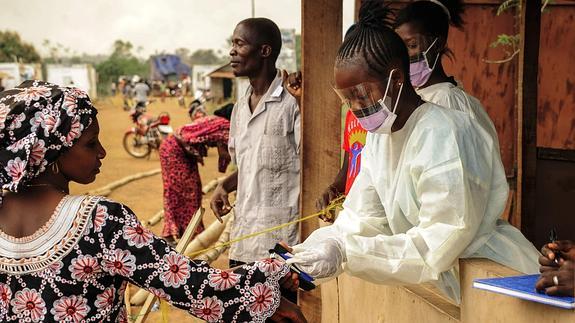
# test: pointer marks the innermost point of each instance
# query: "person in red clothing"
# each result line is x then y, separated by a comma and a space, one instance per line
179, 158
353, 141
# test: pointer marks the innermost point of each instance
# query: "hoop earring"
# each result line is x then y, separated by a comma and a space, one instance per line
55, 168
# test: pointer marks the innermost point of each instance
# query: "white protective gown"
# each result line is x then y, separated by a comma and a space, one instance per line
451, 96
427, 195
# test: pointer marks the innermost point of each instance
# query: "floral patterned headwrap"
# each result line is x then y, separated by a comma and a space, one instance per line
38, 122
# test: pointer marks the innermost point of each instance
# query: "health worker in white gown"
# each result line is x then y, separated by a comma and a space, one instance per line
424, 28
432, 186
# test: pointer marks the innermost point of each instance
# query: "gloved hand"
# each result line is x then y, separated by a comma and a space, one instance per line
320, 261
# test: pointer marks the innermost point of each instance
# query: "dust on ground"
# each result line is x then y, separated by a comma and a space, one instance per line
144, 196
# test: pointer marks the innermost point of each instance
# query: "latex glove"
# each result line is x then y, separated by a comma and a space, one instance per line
321, 261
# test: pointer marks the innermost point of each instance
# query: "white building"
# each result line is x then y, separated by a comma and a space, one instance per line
199, 79
82, 76
15, 73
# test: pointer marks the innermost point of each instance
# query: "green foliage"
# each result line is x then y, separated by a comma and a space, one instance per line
506, 40
298, 51
122, 48
510, 43
206, 57
13, 48
121, 62
202, 56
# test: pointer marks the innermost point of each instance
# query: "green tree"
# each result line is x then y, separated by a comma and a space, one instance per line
298, 51
206, 57
510, 43
13, 48
121, 62
122, 48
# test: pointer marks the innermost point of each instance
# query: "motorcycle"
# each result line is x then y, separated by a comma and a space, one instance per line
147, 133
197, 109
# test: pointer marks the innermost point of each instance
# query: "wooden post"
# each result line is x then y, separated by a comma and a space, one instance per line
321, 117
529, 30
182, 244
356, 6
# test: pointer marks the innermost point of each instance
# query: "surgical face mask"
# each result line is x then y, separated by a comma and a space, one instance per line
420, 69
374, 115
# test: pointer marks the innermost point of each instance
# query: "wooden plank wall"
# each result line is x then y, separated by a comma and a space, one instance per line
321, 118
492, 84
556, 102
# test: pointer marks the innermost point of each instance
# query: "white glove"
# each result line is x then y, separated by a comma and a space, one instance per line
320, 261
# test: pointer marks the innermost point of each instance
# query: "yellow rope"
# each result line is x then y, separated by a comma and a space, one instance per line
333, 205
165, 310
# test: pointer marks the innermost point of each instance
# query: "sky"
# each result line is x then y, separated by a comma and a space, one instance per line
91, 26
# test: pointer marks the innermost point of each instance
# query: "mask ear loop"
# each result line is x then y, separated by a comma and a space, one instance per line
425, 54
387, 89
388, 83
398, 96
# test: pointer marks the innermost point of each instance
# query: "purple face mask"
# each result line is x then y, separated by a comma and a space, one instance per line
420, 71
378, 117
374, 120
373, 116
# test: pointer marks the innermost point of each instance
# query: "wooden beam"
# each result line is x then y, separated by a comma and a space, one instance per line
529, 30
321, 117
182, 244
356, 6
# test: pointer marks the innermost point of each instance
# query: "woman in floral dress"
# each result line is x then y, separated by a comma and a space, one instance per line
69, 258
179, 157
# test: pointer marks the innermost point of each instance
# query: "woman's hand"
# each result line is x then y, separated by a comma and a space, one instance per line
288, 312
323, 201
566, 250
565, 247
320, 261
290, 282
559, 282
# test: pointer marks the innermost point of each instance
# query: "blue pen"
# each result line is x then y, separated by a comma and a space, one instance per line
303, 274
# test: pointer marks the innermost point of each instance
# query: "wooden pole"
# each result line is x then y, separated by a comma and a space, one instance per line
356, 6
186, 238
321, 117
529, 30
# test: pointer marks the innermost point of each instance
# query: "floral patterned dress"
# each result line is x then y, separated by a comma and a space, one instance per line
77, 266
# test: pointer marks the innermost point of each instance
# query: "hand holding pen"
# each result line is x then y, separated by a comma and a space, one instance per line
555, 253
557, 262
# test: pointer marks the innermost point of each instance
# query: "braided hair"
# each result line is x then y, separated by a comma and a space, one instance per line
373, 42
431, 18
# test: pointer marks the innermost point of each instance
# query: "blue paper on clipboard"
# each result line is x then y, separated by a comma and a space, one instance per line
522, 287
